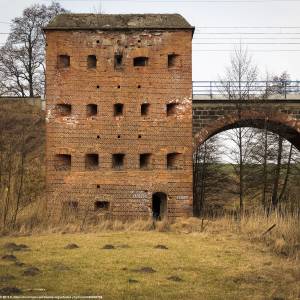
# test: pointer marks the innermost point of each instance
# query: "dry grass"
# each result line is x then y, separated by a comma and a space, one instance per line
209, 266
216, 259
283, 239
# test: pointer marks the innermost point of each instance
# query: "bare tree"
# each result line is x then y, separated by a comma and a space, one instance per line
240, 76
22, 66
238, 83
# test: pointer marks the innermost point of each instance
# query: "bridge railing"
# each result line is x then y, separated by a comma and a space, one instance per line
237, 90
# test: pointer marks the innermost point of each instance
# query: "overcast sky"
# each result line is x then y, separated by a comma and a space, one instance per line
208, 65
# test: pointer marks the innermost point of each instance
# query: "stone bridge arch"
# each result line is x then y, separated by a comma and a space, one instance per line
212, 117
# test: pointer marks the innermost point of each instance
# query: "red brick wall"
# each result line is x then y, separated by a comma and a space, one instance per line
129, 191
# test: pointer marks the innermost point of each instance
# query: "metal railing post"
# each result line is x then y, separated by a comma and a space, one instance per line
285, 85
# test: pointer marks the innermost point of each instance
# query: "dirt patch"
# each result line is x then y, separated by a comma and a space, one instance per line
250, 278
61, 267
145, 270
6, 278
15, 247
175, 278
10, 290
108, 247
32, 271
19, 264
161, 247
72, 246
9, 257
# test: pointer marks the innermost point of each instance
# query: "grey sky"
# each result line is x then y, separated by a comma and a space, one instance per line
207, 65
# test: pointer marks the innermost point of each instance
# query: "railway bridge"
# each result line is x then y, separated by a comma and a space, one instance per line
219, 106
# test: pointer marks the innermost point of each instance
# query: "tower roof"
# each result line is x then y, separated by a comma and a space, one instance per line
118, 22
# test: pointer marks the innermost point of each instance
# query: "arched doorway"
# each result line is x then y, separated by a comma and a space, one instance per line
159, 205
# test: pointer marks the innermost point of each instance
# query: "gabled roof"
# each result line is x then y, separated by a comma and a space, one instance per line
118, 22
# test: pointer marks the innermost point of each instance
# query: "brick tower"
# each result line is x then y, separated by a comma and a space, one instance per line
119, 115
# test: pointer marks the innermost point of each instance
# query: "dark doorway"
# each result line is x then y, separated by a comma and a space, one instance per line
159, 206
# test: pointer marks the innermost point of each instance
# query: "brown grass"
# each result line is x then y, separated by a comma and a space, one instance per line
119, 264
283, 239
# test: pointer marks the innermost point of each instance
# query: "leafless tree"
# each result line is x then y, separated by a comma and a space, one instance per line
238, 83
240, 76
279, 84
22, 66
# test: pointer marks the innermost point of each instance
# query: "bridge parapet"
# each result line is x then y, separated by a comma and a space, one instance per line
230, 90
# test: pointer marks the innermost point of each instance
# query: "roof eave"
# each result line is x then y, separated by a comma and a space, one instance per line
117, 28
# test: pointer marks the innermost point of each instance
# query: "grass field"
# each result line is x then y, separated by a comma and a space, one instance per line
194, 266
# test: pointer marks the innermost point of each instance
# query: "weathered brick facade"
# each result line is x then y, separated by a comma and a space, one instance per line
119, 115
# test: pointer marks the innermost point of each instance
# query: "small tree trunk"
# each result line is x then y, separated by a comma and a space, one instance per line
8, 189
286, 179
195, 183
241, 173
19, 191
30, 72
203, 180
265, 173
277, 173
